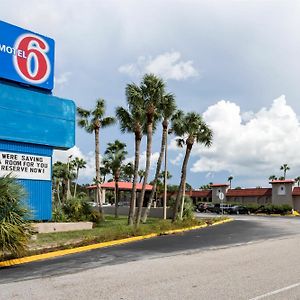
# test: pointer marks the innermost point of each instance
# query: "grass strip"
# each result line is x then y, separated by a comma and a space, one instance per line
110, 230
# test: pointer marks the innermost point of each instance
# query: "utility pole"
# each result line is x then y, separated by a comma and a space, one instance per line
69, 188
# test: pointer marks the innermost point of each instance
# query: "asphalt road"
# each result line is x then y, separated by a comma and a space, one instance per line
243, 259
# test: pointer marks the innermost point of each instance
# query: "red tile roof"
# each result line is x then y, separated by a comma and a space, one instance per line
219, 184
296, 191
122, 186
254, 192
283, 181
200, 193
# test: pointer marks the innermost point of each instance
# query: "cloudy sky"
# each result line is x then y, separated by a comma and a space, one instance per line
235, 62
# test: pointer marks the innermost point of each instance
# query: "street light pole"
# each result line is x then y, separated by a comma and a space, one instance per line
69, 188
165, 181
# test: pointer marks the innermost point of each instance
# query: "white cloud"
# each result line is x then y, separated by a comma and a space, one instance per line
168, 65
62, 79
86, 175
177, 160
253, 148
153, 160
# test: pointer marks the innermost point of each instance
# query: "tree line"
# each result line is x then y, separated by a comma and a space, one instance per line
147, 105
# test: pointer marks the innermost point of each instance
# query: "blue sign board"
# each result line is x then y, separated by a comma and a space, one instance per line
36, 118
26, 57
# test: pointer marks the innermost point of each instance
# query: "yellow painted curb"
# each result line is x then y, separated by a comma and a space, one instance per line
27, 259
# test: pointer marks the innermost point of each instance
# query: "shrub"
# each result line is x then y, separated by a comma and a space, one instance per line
15, 229
188, 208
75, 209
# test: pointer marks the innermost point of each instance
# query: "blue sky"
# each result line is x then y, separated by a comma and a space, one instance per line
236, 62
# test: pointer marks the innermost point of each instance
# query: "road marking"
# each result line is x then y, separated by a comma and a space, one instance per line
276, 291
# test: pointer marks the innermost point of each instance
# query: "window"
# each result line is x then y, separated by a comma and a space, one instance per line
281, 190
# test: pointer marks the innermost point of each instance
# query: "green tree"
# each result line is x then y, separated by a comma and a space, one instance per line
78, 163
132, 120
15, 231
167, 108
285, 168
152, 90
141, 174
127, 172
92, 121
62, 173
114, 157
272, 177
190, 128
297, 180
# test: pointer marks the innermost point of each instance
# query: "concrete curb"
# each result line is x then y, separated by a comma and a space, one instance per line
27, 259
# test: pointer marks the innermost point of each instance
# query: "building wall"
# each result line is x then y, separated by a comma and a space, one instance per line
296, 203
282, 193
249, 200
215, 193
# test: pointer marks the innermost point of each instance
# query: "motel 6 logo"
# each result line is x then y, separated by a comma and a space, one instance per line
30, 58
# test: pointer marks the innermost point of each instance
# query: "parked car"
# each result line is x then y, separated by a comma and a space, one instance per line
238, 209
219, 208
205, 207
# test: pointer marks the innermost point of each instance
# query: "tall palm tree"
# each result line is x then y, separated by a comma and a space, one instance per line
272, 177
114, 157
132, 120
167, 108
230, 179
285, 168
92, 120
78, 163
190, 128
153, 90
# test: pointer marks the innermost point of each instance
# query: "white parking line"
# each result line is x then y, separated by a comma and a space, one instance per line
276, 291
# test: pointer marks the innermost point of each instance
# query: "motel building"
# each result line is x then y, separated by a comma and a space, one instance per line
280, 192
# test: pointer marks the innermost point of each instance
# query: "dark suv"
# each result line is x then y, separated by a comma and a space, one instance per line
238, 209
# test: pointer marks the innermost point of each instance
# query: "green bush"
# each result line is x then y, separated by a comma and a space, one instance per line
269, 208
188, 208
75, 209
15, 229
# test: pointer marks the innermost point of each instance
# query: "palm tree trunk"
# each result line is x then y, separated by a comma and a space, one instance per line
77, 172
158, 166
182, 202
182, 180
97, 163
148, 158
138, 139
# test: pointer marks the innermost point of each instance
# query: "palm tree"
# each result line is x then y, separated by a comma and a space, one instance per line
152, 91
132, 120
78, 163
57, 179
167, 108
285, 168
92, 121
62, 173
190, 128
230, 179
297, 179
272, 177
127, 172
141, 174
114, 157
